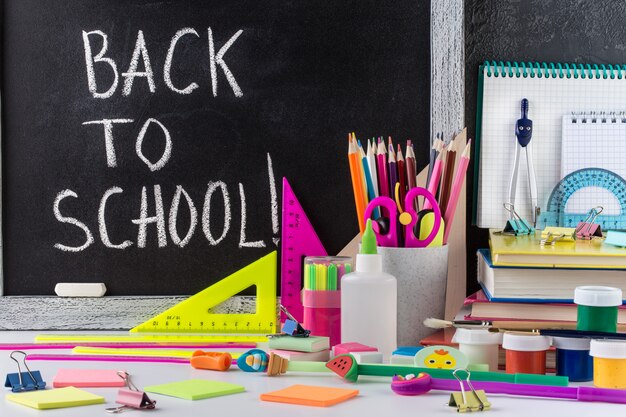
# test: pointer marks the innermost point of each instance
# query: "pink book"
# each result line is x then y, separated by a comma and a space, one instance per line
87, 378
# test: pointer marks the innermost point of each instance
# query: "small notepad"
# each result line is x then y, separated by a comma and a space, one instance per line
310, 395
195, 389
87, 378
55, 398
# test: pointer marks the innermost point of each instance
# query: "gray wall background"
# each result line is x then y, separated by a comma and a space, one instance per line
583, 31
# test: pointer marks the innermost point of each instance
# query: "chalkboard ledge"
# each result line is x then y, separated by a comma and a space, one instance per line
105, 313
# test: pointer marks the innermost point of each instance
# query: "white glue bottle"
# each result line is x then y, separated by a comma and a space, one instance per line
369, 300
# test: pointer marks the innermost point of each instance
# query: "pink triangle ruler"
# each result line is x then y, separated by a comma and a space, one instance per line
297, 241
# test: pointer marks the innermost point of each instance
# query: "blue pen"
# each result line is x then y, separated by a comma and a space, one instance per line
368, 177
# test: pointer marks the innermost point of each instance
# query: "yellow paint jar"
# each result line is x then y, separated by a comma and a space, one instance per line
609, 363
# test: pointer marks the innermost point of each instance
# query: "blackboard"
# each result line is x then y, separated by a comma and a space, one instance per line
302, 75
534, 30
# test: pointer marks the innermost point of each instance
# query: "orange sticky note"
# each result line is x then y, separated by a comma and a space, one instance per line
310, 395
87, 378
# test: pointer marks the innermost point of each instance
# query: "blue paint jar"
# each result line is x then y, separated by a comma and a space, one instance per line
573, 359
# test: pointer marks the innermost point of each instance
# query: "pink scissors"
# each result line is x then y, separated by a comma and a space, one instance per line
408, 218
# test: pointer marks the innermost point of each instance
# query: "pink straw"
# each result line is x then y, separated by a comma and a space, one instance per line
34, 346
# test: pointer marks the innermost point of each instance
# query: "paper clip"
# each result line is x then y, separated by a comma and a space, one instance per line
24, 381
587, 229
516, 225
550, 238
131, 397
477, 401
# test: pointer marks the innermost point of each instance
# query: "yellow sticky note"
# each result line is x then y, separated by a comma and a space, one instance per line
55, 398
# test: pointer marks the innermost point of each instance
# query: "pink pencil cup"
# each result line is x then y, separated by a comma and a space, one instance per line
322, 314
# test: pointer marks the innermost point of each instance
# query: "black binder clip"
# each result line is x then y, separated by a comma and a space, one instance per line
516, 225
291, 327
587, 229
24, 381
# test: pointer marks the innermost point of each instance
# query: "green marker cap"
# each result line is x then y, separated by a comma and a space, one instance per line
368, 242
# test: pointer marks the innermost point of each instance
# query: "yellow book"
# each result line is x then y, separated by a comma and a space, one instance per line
55, 398
527, 251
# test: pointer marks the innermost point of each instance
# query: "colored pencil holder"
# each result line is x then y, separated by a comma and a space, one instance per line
422, 275
321, 297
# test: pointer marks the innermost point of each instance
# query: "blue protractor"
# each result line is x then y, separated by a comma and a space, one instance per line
555, 214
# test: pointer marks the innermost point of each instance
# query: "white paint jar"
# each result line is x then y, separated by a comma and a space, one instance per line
480, 346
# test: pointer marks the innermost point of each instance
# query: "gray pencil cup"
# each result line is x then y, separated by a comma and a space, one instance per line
422, 275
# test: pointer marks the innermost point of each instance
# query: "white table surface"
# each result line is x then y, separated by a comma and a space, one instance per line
375, 397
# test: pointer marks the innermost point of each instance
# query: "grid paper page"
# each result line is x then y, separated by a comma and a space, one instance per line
549, 100
597, 141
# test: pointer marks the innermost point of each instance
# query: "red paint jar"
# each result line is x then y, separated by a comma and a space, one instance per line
525, 354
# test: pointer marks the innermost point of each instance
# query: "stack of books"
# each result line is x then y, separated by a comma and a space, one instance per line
522, 280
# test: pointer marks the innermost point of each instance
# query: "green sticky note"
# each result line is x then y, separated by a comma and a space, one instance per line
55, 398
195, 389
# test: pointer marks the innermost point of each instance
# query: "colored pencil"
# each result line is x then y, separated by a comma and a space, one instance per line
381, 160
371, 162
446, 176
456, 190
393, 170
357, 187
90, 358
433, 155
411, 169
434, 180
401, 174
361, 173
371, 194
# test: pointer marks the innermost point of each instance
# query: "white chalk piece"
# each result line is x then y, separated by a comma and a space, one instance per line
83, 289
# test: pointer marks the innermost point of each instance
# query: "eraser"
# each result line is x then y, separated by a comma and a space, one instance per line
343, 348
293, 356
368, 357
402, 360
83, 289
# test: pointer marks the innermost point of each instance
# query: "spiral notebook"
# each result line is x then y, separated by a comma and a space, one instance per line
553, 91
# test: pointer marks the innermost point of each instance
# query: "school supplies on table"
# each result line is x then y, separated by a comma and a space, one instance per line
23, 381
538, 284
310, 395
346, 367
298, 239
195, 389
455, 193
388, 233
56, 398
527, 251
194, 315
425, 382
82, 378
553, 90
131, 397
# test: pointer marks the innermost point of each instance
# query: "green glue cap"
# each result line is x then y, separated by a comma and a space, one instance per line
368, 243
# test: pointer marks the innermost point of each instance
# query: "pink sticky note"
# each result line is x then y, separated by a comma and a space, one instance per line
87, 378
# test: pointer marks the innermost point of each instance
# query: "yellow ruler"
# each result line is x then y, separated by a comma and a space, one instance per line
194, 315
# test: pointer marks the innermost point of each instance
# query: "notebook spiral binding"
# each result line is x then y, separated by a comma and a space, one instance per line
599, 117
552, 70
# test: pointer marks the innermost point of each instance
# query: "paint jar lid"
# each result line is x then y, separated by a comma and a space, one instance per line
477, 337
608, 349
525, 342
571, 343
596, 296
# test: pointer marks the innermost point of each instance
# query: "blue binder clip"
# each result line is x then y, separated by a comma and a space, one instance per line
24, 381
516, 225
